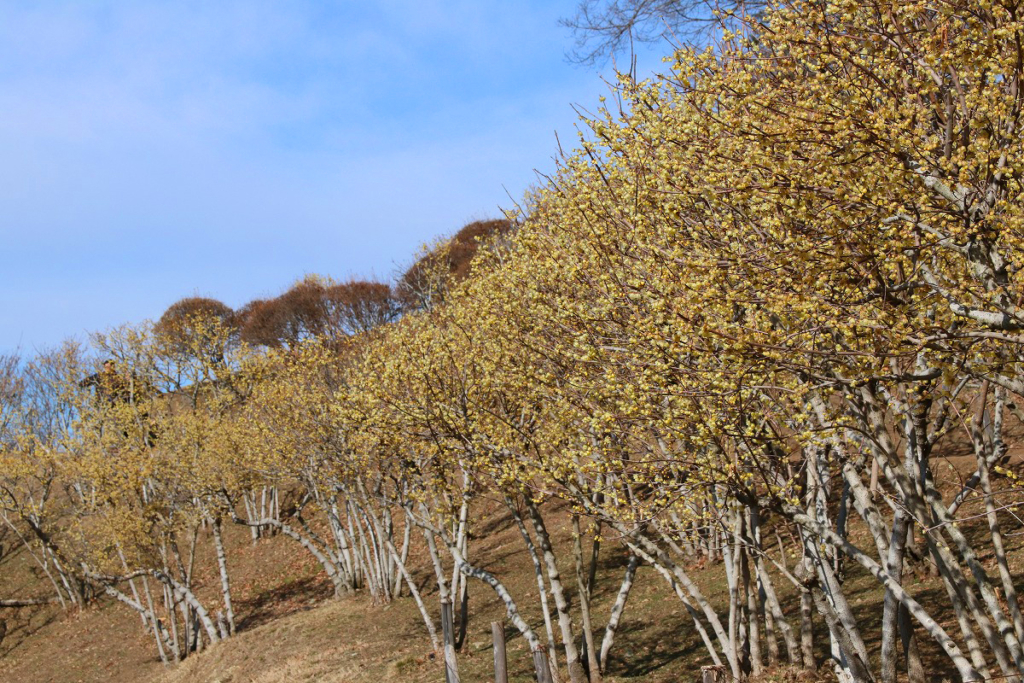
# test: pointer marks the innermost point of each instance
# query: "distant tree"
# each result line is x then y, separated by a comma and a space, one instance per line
603, 28
303, 311
359, 306
37, 417
448, 262
195, 325
260, 324
11, 386
317, 307
298, 314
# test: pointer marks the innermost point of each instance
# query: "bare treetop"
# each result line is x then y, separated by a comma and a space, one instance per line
604, 28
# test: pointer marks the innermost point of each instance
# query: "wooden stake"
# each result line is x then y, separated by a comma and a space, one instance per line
500, 664
540, 663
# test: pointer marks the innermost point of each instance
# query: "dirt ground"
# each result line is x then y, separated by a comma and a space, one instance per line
292, 630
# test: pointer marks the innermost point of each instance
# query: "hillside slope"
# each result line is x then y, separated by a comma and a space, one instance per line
291, 630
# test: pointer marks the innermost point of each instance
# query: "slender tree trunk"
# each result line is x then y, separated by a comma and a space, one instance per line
778, 617
617, 607
649, 551
442, 587
965, 669
222, 565
346, 566
1009, 591
39, 561
370, 574
890, 608
694, 614
753, 632
189, 597
373, 533
807, 622
404, 572
594, 668
595, 551
401, 559
912, 658
499, 588
541, 589
147, 615
572, 655
1006, 650
962, 617
171, 608
460, 538
850, 668
358, 569
451, 662
131, 585
463, 625
161, 632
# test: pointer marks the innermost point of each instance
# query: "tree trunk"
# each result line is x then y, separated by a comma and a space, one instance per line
594, 668
572, 655
541, 588
401, 559
451, 662
807, 623
186, 594
222, 565
890, 608
912, 658
964, 667
771, 600
694, 615
673, 573
617, 608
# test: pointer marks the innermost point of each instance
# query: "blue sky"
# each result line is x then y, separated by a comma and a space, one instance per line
155, 150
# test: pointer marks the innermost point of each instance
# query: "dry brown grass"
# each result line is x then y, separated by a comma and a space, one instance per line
290, 629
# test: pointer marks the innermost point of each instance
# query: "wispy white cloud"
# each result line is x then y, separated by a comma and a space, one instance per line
148, 149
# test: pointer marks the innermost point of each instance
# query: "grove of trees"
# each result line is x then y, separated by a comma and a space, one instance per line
738, 326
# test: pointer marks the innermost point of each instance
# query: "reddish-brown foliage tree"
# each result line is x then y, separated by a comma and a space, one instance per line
261, 323
360, 305
186, 324
314, 308
447, 263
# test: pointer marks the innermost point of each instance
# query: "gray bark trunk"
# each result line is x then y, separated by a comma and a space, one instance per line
949, 646
890, 608
222, 565
581, 585
617, 608
572, 655
542, 590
